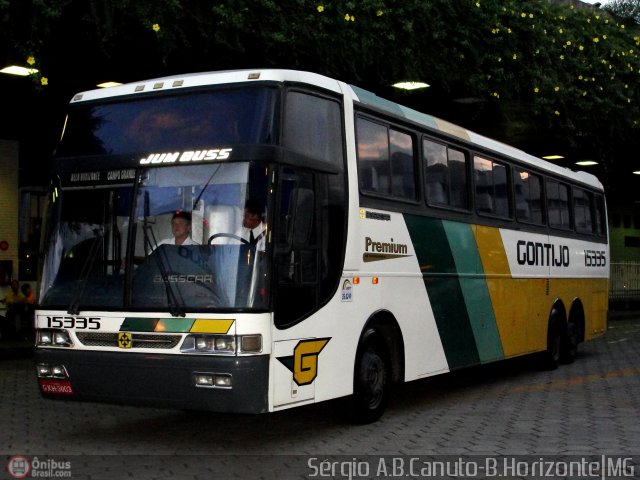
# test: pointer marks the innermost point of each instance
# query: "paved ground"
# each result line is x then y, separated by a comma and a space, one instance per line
587, 409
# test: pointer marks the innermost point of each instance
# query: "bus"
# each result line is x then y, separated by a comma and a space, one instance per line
394, 246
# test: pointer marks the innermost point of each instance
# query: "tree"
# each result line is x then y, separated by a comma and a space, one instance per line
628, 10
526, 67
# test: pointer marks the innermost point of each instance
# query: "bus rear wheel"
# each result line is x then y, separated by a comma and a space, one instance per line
551, 356
569, 345
371, 381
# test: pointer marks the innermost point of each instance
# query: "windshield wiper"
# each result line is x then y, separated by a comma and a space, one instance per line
205, 186
176, 306
74, 307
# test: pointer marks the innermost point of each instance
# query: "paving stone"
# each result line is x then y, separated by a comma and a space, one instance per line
587, 408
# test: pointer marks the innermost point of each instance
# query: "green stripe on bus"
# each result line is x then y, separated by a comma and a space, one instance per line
474, 290
134, 324
443, 287
175, 325
171, 325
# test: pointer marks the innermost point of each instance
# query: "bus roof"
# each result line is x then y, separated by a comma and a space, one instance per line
357, 94
177, 82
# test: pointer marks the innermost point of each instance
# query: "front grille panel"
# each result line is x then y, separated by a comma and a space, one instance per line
139, 340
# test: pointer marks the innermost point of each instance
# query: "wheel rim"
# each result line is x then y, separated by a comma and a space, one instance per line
374, 379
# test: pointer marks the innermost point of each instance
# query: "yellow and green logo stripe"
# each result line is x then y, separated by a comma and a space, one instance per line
456, 284
176, 325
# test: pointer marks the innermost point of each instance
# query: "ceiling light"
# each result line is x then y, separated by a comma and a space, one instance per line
553, 157
108, 84
16, 70
637, 172
410, 85
586, 163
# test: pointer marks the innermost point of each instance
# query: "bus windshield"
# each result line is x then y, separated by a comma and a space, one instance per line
177, 239
230, 116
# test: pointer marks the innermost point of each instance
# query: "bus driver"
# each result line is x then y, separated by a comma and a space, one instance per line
253, 229
181, 230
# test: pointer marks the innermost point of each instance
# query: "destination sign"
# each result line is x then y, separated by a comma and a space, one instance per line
187, 156
126, 175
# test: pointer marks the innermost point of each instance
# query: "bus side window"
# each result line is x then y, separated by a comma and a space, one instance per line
313, 126
527, 188
445, 175
403, 183
558, 205
601, 226
373, 157
436, 172
386, 162
582, 210
492, 188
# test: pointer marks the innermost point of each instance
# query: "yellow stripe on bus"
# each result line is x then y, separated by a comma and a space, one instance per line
594, 295
202, 325
513, 310
522, 305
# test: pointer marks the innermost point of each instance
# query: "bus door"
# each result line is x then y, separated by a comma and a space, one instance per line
296, 256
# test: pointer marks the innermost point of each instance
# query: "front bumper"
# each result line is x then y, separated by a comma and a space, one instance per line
162, 380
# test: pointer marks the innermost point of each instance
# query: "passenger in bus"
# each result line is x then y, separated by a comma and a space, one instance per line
253, 229
181, 230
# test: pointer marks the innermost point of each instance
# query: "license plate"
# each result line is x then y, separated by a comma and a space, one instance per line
56, 387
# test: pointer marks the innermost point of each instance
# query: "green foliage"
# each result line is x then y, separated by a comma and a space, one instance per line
629, 10
575, 70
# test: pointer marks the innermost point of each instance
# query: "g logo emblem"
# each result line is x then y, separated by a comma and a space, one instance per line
304, 361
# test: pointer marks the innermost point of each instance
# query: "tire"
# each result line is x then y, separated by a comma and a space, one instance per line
551, 356
370, 382
569, 345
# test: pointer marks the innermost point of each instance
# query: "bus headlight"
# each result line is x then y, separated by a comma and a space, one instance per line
225, 344
213, 380
45, 337
53, 338
45, 370
251, 343
222, 344
61, 338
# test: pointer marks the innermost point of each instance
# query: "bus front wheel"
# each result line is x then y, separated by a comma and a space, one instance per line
371, 381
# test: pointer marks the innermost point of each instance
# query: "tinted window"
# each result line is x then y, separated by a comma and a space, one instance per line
558, 205
601, 224
313, 126
582, 209
492, 192
385, 160
403, 182
527, 189
445, 175
167, 124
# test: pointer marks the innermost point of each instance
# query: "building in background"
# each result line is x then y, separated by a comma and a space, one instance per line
9, 216
624, 231
21, 209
